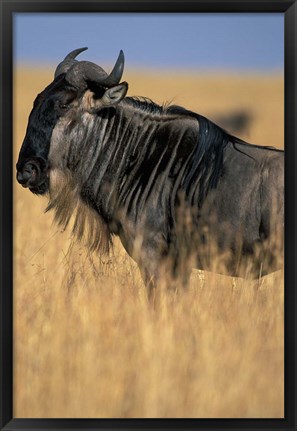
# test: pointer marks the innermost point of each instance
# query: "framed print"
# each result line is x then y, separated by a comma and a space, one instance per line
148, 222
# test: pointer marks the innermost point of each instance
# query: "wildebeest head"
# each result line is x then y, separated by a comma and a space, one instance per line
78, 85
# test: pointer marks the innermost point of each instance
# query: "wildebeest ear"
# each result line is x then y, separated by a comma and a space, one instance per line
114, 95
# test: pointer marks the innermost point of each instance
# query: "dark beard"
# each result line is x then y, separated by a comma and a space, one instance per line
41, 189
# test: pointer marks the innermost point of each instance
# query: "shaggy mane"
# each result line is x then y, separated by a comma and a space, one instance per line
145, 104
88, 226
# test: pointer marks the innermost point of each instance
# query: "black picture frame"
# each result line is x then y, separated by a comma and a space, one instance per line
7, 9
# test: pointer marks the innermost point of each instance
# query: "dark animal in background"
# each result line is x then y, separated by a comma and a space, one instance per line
237, 122
167, 181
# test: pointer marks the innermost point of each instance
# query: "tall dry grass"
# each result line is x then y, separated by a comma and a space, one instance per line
86, 342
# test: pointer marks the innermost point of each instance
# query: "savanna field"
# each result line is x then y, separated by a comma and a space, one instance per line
86, 341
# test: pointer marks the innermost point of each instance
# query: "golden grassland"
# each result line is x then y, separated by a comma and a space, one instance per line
86, 341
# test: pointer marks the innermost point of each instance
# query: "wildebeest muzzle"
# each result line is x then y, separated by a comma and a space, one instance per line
33, 173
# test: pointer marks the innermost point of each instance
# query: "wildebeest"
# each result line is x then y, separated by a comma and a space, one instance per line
171, 184
237, 122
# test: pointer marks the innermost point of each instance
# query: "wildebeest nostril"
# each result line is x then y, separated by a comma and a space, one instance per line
27, 174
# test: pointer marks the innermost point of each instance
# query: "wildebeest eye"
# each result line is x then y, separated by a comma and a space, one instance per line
63, 106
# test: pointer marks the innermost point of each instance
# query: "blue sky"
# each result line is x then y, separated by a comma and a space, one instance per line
253, 42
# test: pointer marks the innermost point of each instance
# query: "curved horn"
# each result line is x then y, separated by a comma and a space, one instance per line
68, 61
117, 72
84, 71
